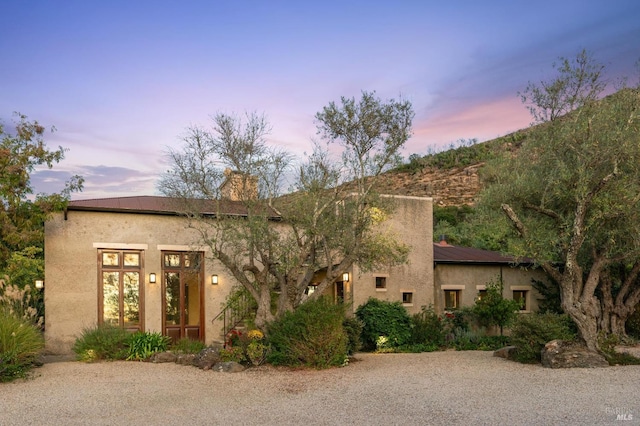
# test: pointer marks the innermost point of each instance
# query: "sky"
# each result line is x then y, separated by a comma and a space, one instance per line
122, 80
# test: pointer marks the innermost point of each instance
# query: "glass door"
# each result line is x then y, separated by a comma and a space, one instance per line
182, 295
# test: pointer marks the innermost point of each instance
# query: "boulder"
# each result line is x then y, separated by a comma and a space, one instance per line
159, 357
185, 359
207, 357
228, 367
506, 352
563, 354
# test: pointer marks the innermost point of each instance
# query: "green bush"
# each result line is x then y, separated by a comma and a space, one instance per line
531, 332
188, 346
381, 318
141, 345
20, 344
101, 342
468, 340
633, 324
427, 328
353, 329
312, 335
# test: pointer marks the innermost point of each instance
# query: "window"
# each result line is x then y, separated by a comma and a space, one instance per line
120, 288
521, 297
381, 283
481, 294
407, 298
451, 299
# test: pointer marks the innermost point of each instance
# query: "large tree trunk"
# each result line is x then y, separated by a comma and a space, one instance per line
263, 314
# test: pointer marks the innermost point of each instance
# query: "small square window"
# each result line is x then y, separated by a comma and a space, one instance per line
407, 298
481, 294
521, 297
381, 282
451, 299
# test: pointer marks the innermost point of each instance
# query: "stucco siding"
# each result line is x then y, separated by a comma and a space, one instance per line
469, 279
412, 223
71, 265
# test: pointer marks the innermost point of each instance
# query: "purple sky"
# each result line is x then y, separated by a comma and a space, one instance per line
122, 80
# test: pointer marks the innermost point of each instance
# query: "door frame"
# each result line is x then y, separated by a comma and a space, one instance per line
182, 270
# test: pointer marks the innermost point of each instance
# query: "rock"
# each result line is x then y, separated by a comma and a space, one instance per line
207, 357
562, 354
228, 367
185, 359
159, 357
506, 352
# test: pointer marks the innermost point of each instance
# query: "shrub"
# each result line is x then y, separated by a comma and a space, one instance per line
633, 323
188, 346
20, 344
353, 329
468, 340
141, 345
381, 318
101, 342
427, 328
312, 335
531, 332
494, 309
232, 353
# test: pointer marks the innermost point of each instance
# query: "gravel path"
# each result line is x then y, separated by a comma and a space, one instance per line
392, 389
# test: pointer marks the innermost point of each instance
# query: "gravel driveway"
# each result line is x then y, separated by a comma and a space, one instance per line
391, 389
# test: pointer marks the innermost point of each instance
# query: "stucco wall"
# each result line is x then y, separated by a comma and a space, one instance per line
71, 268
470, 278
412, 222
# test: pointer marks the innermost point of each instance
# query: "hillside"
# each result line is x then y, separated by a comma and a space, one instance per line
450, 177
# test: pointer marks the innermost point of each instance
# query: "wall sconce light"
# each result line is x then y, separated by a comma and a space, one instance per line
39, 284
152, 278
345, 276
214, 279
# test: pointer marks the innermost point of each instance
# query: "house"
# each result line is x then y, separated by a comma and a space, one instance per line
461, 275
133, 262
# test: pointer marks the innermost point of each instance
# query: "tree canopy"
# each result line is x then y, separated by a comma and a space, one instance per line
22, 213
328, 220
572, 193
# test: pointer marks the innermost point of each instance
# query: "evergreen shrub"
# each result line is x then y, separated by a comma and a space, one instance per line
312, 335
102, 342
387, 319
531, 332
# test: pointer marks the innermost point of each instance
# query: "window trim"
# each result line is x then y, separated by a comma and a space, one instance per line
457, 292
384, 278
122, 269
410, 302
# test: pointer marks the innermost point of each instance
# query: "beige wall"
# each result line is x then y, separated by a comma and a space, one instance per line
412, 222
71, 268
469, 279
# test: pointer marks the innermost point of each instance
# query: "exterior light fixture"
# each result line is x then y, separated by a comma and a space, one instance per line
345, 276
214, 279
152, 278
39, 284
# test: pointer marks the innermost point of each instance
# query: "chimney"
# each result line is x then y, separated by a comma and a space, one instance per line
443, 240
239, 186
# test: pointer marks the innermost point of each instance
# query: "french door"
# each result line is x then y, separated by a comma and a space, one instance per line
183, 295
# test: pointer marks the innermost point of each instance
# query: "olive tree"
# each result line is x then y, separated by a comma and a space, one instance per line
572, 194
325, 224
